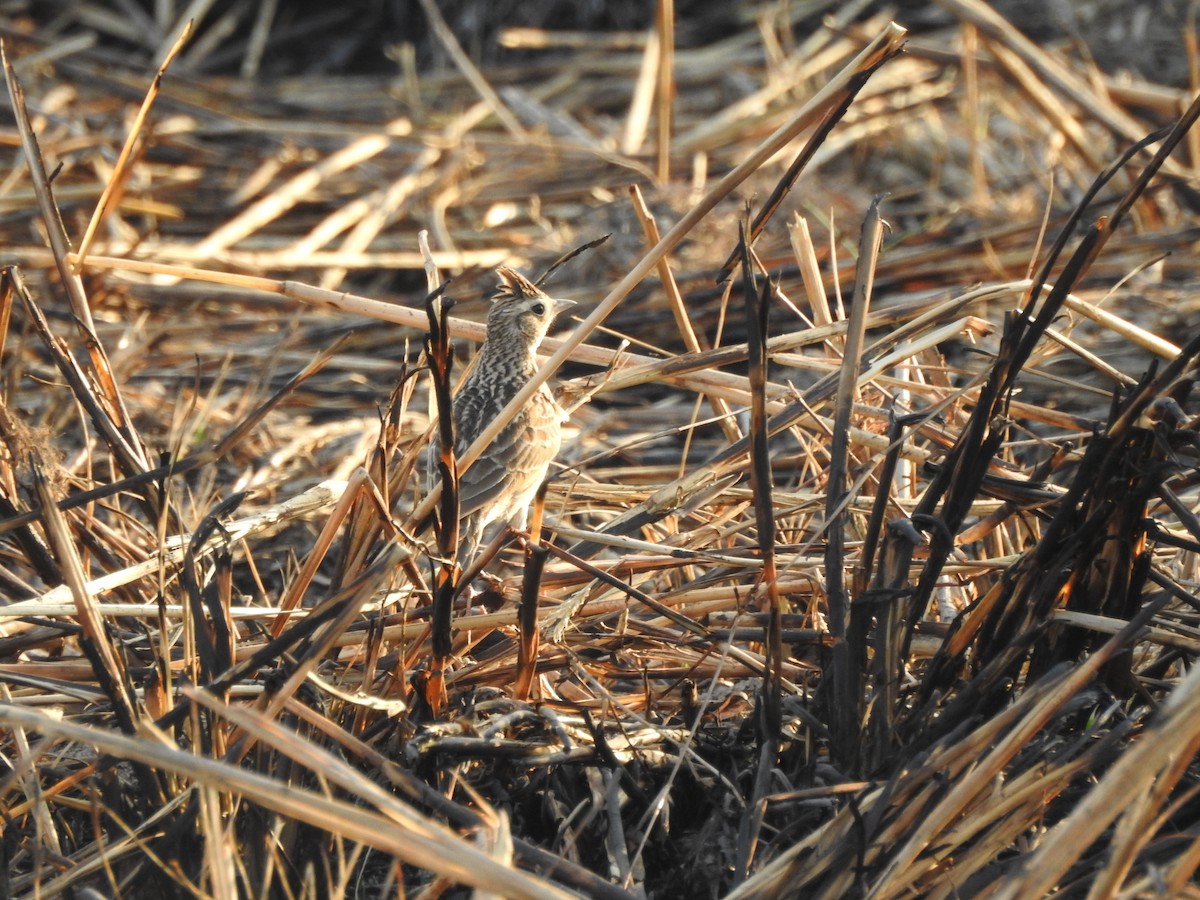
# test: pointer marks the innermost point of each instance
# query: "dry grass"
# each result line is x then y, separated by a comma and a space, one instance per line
869, 567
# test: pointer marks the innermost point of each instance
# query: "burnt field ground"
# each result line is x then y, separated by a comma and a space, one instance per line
868, 566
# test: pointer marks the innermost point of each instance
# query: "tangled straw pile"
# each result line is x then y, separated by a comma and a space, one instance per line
869, 564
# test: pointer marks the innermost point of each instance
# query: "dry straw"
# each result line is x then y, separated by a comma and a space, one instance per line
867, 569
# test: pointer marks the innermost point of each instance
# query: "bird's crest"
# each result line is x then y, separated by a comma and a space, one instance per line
514, 285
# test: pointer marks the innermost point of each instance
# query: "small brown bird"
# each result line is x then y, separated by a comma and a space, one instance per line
499, 486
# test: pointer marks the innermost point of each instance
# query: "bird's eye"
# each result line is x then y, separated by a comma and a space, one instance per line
538, 308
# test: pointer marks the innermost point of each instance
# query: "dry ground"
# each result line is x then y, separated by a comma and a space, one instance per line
869, 565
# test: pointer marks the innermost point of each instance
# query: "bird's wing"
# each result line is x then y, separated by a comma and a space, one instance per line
484, 481
509, 468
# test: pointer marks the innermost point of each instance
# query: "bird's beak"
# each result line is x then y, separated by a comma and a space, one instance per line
561, 306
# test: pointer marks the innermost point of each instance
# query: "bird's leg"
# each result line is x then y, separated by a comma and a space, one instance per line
466, 591
498, 536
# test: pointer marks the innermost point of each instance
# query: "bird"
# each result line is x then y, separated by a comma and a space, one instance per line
499, 486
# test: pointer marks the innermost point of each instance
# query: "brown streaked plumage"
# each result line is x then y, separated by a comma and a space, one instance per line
499, 486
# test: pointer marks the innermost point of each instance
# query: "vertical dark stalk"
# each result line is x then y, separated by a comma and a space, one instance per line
874, 533
761, 483
441, 362
529, 634
884, 598
211, 626
841, 687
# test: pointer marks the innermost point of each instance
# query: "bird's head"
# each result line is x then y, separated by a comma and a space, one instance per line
521, 310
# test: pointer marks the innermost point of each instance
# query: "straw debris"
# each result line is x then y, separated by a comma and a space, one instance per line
868, 567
